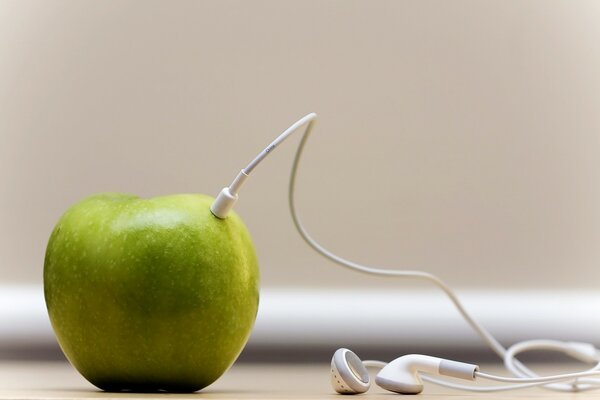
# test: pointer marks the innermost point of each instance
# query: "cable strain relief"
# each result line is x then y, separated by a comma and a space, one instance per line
237, 183
585, 352
223, 203
458, 369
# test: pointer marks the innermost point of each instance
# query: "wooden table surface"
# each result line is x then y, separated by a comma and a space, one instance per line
58, 380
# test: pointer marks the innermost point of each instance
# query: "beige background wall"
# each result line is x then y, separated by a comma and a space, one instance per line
474, 126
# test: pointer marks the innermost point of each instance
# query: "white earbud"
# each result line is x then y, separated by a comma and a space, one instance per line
349, 375
402, 374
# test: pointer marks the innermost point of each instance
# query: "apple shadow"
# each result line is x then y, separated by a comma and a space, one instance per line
147, 394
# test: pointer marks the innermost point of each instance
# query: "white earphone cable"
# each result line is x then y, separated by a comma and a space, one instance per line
485, 335
516, 367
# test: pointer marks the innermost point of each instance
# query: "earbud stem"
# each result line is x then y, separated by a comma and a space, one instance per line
402, 374
457, 369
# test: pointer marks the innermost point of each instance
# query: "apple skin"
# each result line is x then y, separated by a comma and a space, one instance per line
149, 295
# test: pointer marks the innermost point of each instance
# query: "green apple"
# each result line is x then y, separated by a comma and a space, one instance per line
148, 295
